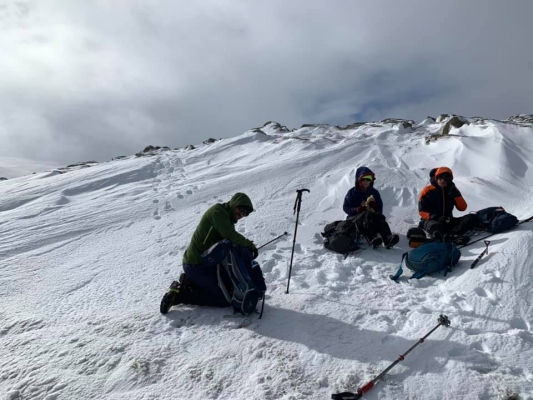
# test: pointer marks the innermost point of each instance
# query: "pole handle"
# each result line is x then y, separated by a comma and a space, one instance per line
298, 201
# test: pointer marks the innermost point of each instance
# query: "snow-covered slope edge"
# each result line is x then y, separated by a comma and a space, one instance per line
86, 256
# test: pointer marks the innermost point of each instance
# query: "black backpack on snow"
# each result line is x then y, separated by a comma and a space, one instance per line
341, 236
469, 223
496, 219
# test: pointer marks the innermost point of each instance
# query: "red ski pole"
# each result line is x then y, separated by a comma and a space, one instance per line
443, 320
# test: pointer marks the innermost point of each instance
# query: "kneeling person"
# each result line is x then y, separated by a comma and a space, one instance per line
199, 283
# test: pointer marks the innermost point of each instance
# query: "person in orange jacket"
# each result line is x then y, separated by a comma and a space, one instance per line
437, 201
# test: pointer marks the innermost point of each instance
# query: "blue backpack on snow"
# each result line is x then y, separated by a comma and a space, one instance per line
240, 277
430, 257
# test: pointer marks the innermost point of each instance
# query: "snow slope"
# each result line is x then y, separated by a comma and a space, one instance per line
86, 256
12, 167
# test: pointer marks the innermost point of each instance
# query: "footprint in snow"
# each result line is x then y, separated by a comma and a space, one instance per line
486, 293
480, 347
518, 323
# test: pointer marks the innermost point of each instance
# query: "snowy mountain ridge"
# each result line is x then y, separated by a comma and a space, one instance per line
85, 257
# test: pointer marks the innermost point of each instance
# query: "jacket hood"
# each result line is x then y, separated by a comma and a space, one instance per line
436, 172
443, 170
240, 199
432, 177
363, 171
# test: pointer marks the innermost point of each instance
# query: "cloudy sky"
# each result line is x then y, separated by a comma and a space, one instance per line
90, 80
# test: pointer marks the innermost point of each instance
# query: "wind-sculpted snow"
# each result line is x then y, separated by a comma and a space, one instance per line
86, 256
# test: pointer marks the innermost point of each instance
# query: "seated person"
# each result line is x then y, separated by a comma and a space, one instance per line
363, 203
437, 201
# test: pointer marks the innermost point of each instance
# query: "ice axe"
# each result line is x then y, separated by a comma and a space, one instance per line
443, 320
487, 242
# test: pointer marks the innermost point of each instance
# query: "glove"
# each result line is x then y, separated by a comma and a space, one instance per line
453, 191
360, 209
255, 253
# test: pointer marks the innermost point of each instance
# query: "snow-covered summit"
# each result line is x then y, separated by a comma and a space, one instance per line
86, 256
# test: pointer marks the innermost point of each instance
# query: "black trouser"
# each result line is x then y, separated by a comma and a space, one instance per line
201, 286
371, 224
432, 226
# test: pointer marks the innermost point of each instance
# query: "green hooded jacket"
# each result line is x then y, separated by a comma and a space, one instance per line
215, 225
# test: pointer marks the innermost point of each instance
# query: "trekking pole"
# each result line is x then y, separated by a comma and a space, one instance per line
487, 242
297, 205
443, 320
273, 240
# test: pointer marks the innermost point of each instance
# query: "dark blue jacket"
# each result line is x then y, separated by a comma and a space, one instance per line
357, 195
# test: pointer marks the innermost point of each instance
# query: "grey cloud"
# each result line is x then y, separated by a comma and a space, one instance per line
84, 80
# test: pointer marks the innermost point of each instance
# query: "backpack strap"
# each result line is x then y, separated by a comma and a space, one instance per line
221, 284
424, 272
452, 264
420, 274
416, 275
399, 273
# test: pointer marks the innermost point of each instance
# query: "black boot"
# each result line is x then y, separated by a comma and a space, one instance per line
376, 242
173, 297
391, 240
437, 235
